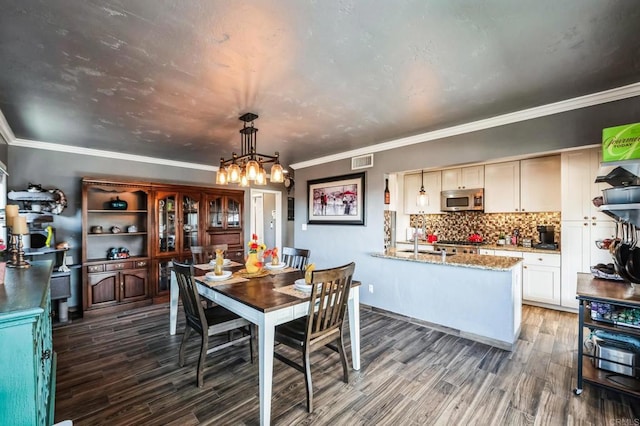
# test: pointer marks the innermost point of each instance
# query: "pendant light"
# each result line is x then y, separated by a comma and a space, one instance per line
423, 198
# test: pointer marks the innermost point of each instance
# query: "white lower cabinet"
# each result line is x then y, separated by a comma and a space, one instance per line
541, 278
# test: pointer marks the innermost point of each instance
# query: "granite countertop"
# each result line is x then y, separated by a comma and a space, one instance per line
495, 247
476, 261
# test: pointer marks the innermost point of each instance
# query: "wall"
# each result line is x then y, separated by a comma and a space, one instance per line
333, 245
64, 171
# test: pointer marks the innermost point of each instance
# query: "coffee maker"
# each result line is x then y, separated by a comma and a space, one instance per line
546, 237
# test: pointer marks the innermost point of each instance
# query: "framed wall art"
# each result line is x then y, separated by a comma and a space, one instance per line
337, 200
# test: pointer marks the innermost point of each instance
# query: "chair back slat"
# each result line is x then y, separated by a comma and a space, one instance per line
295, 258
203, 254
193, 309
328, 304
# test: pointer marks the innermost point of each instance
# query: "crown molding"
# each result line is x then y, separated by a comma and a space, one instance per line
611, 95
5, 130
109, 154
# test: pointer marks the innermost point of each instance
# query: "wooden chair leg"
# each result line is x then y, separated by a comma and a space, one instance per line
343, 358
203, 355
307, 380
183, 344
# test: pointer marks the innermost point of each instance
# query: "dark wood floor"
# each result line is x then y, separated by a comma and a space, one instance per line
122, 370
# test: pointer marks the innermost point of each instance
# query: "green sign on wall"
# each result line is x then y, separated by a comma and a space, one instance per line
621, 142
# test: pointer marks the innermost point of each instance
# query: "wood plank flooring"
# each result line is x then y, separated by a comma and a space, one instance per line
122, 370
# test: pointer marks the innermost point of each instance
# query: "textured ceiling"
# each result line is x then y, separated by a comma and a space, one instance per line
169, 78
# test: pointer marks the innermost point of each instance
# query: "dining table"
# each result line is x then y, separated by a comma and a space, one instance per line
266, 299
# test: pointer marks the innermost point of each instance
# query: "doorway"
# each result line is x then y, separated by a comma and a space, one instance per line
266, 216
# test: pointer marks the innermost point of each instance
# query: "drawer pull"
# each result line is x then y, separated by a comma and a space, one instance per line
540, 259
141, 263
46, 354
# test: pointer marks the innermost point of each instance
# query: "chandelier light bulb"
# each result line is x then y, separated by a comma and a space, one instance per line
244, 182
261, 177
234, 173
277, 174
221, 176
252, 169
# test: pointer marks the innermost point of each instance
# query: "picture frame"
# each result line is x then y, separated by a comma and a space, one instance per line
338, 200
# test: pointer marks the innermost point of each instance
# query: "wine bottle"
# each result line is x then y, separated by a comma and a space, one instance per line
387, 194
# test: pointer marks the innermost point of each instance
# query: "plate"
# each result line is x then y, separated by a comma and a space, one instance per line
278, 266
300, 284
211, 276
226, 262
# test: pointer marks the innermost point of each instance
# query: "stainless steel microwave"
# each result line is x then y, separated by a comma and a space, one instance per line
457, 200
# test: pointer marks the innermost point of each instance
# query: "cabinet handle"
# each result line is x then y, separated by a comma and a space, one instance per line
594, 224
586, 224
524, 267
586, 217
540, 259
593, 217
46, 354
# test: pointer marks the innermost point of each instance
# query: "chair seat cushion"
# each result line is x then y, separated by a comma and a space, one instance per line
219, 315
293, 332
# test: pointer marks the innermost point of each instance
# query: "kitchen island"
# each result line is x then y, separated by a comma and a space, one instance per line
474, 296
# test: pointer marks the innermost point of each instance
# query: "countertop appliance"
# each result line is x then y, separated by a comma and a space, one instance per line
457, 246
457, 200
546, 236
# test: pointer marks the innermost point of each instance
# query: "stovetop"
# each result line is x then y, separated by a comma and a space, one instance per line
458, 243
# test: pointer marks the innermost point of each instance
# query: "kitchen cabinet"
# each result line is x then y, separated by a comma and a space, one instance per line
432, 186
582, 223
540, 184
27, 376
531, 185
110, 284
502, 187
541, 278
579, 171
579, 253
618, 296
224, 222
463, 178
115, 235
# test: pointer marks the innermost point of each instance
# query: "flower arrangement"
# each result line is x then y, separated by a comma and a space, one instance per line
254, 245
275, 259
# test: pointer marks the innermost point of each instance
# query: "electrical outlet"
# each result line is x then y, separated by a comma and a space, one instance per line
370, 288
304, 226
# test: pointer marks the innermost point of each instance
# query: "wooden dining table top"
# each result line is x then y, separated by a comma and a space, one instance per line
259, 292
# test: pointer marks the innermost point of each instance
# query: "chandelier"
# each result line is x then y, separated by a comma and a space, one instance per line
249, 165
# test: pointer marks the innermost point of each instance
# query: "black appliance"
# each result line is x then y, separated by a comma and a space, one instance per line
546, 237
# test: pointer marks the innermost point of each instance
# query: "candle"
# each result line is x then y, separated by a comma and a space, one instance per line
11, 211
19, 225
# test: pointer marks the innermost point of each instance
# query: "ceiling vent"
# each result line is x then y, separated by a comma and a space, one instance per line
362, 162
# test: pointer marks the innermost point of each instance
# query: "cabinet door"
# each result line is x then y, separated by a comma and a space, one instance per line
472, 177
133, 285
502, 187
102, 289
215, 211
540, 184
234, 212
451, 179
541, 284
579, 170
190, 221
167, 222
410, 193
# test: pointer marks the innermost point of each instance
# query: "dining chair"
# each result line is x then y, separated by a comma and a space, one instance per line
323, 324
203, 254
295, 258
207, 322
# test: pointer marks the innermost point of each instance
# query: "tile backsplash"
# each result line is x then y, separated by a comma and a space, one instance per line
459, 225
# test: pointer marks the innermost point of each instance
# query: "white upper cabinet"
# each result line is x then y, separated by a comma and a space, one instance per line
540, 184
463, 178
432, 186
502, 187
579, 171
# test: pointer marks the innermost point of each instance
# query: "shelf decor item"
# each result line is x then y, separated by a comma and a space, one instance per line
18, 229
253, 263
118, 204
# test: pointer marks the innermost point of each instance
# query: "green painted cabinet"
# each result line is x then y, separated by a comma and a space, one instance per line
27, 360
